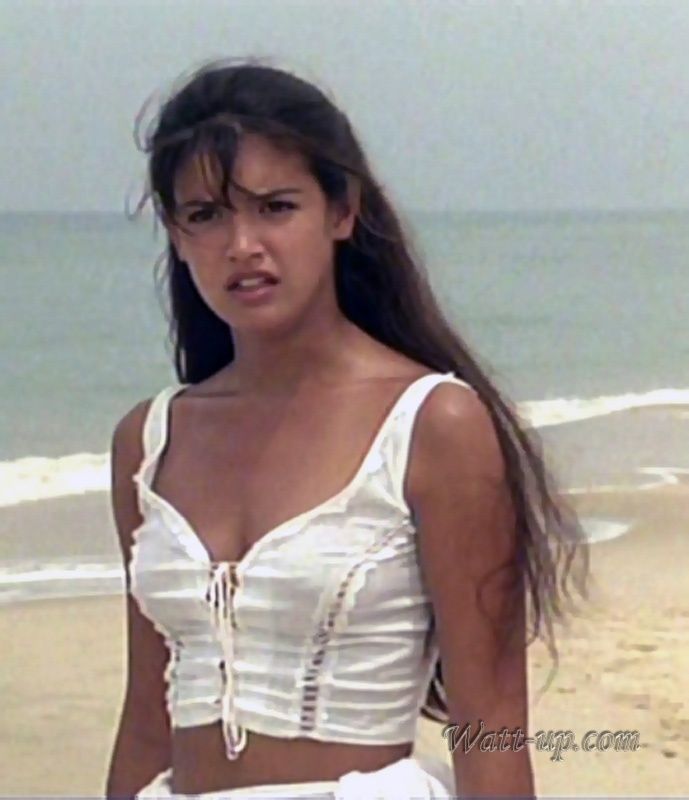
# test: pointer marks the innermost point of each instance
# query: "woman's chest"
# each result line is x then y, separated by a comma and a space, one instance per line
291, 586
233, 479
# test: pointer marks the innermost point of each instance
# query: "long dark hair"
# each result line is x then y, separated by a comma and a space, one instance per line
381, 287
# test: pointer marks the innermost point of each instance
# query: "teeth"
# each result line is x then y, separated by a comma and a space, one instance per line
252, 281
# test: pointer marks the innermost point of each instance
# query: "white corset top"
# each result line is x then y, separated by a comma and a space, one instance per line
321, 630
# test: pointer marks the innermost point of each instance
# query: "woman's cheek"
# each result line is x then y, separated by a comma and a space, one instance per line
208, 283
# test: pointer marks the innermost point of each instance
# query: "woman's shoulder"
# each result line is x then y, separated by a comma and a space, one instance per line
455, 430
128, 427
128, 431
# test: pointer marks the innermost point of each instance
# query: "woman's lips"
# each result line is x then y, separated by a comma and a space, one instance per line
255, 294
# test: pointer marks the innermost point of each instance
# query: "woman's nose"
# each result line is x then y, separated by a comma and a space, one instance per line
242, 238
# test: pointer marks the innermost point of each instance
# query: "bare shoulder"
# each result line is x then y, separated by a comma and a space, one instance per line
127, 435
126, 455
454, 439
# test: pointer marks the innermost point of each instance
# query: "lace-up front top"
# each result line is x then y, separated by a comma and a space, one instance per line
320, 630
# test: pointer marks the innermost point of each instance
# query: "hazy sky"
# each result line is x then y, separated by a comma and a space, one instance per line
494, 104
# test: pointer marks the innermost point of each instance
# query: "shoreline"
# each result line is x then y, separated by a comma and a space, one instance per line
33, 564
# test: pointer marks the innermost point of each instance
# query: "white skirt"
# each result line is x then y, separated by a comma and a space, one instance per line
417, 777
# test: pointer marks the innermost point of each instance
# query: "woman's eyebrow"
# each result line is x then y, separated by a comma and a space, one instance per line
256, 195
264, 195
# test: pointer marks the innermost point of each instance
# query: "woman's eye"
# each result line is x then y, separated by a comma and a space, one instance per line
202, 215
279, 205
208, 213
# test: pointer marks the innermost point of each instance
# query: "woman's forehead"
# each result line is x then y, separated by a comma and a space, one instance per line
258, 166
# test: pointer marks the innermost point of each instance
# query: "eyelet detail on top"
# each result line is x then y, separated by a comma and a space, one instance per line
321, 639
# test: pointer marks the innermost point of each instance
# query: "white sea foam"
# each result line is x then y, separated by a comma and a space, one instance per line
664, 476
543, 413
598, 529
38, 478
32, 580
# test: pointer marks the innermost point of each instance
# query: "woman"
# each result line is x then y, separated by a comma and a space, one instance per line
325, 528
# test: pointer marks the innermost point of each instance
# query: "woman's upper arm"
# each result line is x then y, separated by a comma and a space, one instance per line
147, 653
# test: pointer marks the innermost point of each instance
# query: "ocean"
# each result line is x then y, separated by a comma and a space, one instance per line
579, 317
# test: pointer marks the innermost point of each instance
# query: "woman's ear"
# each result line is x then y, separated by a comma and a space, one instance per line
347, 210
175, 238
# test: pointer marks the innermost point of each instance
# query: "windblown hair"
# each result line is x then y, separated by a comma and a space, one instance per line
382, 287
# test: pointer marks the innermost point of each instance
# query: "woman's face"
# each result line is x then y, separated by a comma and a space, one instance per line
290, 232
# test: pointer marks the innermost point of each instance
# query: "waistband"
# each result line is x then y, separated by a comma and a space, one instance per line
418, 777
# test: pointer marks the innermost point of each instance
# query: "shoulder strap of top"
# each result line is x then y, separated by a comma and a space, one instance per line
410, 403
153, 436
155, 425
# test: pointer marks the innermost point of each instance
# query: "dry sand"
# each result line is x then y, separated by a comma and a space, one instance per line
624, 665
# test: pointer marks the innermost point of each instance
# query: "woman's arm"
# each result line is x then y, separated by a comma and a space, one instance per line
463, 508
142, 745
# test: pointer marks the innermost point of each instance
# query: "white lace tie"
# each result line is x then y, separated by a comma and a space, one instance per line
220, 597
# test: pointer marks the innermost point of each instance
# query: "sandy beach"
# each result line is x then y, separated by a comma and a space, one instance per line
624, 665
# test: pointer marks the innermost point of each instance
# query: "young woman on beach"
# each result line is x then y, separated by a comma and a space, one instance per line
334, 521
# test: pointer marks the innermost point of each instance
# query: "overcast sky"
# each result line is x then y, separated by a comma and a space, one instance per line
494, 104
